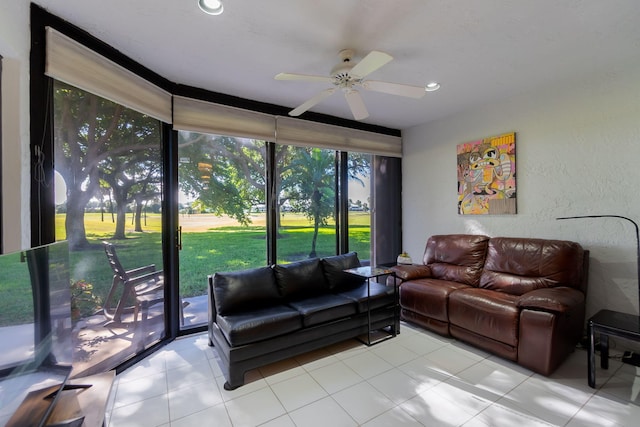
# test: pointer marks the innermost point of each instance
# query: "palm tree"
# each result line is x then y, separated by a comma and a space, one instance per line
314, 189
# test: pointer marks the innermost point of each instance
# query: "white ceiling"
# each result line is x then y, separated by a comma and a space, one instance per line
479, 50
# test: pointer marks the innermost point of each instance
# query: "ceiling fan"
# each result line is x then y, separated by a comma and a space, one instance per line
347, 76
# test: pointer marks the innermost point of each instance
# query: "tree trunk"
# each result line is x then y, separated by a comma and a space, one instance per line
138, 216
316, 227
316, 199
121, 218
74, 223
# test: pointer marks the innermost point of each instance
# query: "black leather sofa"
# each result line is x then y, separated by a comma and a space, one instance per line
263, 315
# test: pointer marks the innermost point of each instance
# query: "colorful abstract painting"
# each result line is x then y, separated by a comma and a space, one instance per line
487, 176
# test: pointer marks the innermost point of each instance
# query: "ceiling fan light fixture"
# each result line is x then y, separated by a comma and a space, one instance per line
432, 87
212, 7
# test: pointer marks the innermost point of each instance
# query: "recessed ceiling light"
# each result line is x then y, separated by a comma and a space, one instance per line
212, 7
430, 87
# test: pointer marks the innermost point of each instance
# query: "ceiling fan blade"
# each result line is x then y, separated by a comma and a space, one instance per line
395, 88
370, 63
311, 102
304, 77
358, 109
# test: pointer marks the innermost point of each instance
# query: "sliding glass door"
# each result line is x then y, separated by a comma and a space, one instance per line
115, 175
108, 188
222, 213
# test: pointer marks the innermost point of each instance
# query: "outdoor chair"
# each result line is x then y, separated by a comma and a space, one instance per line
140, 289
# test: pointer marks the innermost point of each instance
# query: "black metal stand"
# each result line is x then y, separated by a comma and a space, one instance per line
608, 322
369, 273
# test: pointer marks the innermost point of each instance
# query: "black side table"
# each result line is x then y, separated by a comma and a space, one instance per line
369, 273
608, 322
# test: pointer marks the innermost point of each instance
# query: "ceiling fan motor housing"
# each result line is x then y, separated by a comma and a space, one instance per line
341, 73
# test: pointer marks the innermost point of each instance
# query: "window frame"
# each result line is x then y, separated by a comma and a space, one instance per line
42, 215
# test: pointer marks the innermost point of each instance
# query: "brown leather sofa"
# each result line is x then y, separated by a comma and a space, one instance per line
519, 298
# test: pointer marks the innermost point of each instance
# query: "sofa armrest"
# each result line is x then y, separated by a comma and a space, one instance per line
411, 271
561, 299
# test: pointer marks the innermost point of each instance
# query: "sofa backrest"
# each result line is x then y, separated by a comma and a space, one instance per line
244, 290
300, 279
520, 265
456, 257
333, 268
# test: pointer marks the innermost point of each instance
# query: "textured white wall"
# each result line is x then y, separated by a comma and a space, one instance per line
14, 48
577, 153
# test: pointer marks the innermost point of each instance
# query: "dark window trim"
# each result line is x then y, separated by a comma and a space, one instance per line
342, 202
1, 222
41, 144
271, 200
43, 230
41, 18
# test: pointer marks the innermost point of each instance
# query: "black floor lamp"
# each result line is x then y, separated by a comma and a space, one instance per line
608, 322
637, 241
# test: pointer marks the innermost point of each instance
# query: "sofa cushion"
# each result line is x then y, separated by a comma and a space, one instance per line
428, 297
377, 296
259, 324
300, 279
519, 265
456, 257
323, 308
487, 313
333, 268
245, 290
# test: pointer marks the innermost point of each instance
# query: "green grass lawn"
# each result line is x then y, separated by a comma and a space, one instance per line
16, 304
214, 248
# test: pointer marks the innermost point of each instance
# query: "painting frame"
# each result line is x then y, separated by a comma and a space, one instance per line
487, 176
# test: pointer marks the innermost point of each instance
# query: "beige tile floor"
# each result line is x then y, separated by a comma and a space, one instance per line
415, 379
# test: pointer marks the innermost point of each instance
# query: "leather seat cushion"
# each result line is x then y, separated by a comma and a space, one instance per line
323, 308
488, 313
379, 295
428, 297
259, 324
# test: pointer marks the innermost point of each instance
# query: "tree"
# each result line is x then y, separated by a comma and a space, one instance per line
313, 191
88, 130
134, 176
227, 176
224, 174
131, 180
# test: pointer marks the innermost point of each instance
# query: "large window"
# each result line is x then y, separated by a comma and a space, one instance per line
225, 208
108, 187
119, 156
222, 212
